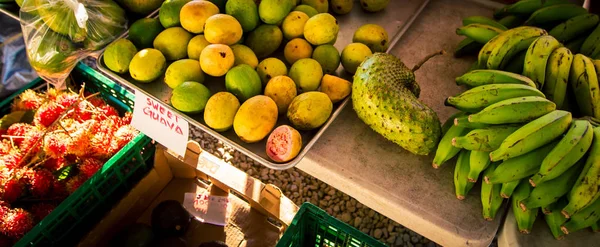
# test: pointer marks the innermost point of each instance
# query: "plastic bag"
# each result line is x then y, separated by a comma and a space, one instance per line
15, 71
59, 33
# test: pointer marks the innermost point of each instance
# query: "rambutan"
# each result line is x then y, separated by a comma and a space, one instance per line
5, 146
90, 166
127, 118
52, 93
40, 181
47, 114
123, 135
6, 241
11, 191
28, 100
80, 139
53, 164
66, 99
56, 144
4, 207
96, 101
20, 130
106, 111
74, 182
59, 189
31, 141
16, 223
11, 160
41, 210
100, 143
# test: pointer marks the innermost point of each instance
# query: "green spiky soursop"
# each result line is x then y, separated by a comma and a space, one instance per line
385, 97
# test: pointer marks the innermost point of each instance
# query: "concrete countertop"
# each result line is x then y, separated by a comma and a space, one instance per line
385, 177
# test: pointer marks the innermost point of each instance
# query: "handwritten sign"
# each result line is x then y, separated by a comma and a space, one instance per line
160, 123
207, 208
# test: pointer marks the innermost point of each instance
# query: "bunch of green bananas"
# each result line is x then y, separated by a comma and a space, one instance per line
515, 140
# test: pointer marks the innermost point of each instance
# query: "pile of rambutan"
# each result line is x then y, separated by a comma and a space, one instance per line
50, 144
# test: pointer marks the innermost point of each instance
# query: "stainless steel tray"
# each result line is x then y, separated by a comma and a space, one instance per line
394, 25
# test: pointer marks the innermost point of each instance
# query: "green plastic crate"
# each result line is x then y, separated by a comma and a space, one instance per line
313, 227
79, 212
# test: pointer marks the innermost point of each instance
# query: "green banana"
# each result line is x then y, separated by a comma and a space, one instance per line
574, 27
516, 40
463, 121
586, 189
490, 196
461, 184
533, 135
445, 151
571, 148
508, 188
519, 167
555, 13
584, 81
478, 162
524, 218
582, 219
557, 75
486, 50
478, 98
591, 43
481, 77
548, 209
550, 191
467, 46
526, 7
596, 226
480, 33
485, 139
575, 45
511, 21
515, 65
554, 219
515, 110
450, 121
536, 58
477, 19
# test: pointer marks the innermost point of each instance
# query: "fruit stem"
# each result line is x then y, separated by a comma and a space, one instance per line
594, 121
419, 64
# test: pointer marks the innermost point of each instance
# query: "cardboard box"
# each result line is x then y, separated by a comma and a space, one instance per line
258, 216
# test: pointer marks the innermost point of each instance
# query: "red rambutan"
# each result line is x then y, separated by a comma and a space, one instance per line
123, 135
80, 139
40, 181
127, 118
31, 141
90, 166
47, 114
56, 144
16, 223
66, 99
5, 146
11, 160
21, 130
52, 93
41, 210
100, 143
59, 190
11, 191
28, 100
4, 207
74, 182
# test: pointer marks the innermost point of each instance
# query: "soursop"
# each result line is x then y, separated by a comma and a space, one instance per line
385, 97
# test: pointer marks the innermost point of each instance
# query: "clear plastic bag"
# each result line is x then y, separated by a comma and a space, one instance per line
59, 33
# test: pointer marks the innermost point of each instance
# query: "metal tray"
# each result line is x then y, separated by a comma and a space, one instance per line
393, 24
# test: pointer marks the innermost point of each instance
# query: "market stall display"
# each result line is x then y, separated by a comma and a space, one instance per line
66, 155
530, 132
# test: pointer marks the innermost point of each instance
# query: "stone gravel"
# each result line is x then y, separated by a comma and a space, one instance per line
301, 187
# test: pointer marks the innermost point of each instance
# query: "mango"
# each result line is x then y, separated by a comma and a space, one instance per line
307, 74
143, 32
243, 82
222, 29
193, 15
216, 59
308, 10
147, 65
374, 5
244, 55
269, 68
341, 7
196, 45
168, 14
309, 110
143, 7
322, 6
264, 40
328, 56
372, 35
282, 90
183, 70
220, 111
297, 49
284, 144
255, 119
273, 11
173, 43
245, 11
336, 88
321, 29
293, 25
354, 54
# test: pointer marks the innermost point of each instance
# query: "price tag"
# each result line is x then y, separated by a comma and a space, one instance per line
208, 208
160, 123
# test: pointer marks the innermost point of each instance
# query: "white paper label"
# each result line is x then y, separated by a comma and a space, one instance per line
160, 123
207, 208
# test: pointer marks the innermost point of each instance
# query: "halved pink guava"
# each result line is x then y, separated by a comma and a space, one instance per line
284, 144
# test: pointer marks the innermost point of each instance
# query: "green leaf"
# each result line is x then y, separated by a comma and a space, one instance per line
16, 117
64, 172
